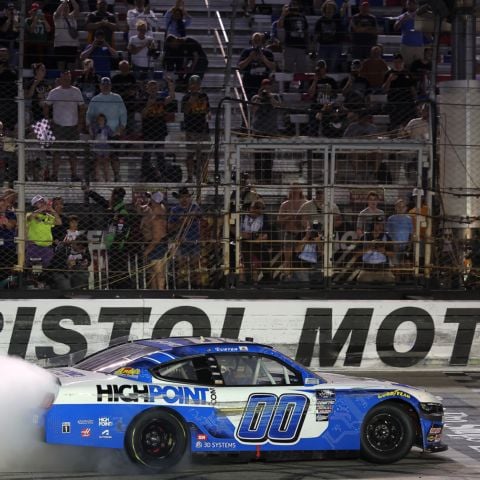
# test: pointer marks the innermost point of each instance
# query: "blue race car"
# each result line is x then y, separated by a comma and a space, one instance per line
159, 399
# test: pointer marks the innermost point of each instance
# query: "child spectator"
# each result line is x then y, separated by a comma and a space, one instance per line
101, 132
72, 230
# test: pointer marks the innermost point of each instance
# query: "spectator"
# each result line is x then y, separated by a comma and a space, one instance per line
8, 158
310, 253
412, 43
290, 226
419, 218
36, 90
101, 52
296, 44
333, 119
374, 68
264, 124
315, 210
155, 114
8, 91
421, 70
112, 106
400, 229
88, 81
184, 222
366, 217
101, 132
103, 20
196, 109
419, 128
376, 255
256, 63
142, 11
364, 32
355, 88
72, 232
8, 251
59, 231
117, 232
399, 86
125, 84
70, 264
329, 35
10, 197
154, 229
68, 116
40, 223
66, 43
9, 29
37, 41
256, 230
142, 49
362, 126
186, 57
177, 20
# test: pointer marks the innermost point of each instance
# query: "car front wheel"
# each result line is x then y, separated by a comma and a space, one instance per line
156, 439
387, 434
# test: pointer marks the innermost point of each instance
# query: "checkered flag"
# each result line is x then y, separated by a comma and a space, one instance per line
43, 133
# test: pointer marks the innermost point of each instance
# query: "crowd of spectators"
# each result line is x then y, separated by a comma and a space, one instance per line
96, 91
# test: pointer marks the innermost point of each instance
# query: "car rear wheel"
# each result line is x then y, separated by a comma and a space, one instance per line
387, 434
156, 439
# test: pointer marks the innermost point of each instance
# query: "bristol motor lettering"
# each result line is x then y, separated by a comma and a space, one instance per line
150, 393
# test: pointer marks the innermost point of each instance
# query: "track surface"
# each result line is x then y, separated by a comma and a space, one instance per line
461, 395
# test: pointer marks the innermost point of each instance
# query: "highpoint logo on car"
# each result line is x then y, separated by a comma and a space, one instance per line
151, 393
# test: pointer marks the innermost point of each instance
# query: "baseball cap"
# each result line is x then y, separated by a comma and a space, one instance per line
321, 64
364, 4
157, 197
105, 81
194, 79
417, 191
397, 56
266, 81
36, 199
356, 64
184, 191
35, 6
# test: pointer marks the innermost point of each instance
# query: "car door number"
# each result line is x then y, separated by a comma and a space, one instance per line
269, 417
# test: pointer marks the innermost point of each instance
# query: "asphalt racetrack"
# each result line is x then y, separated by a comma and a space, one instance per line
461, 395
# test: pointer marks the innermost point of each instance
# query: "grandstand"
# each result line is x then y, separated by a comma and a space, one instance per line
222, 239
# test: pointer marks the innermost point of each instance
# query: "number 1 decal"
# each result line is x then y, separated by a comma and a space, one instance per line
268, 417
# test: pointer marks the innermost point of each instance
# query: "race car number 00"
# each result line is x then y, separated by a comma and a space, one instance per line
268, 417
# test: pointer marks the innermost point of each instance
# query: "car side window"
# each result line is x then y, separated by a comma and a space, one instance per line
248, 369
191, 370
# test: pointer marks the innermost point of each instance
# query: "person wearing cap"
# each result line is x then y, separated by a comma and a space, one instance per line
155, 114
154, 230
323, 87
37, 36
265, 124
66, 42
400, 87
184, 223
297, 41
101, 19
39, 224
256, 63
355, 88
329, 35
196, 110
68, 116
101, 52
113, 107
364, 32
184, 56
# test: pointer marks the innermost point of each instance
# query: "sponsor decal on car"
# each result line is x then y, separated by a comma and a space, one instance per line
150, 393
85, 422
105, 422
85, 432
201, 437
393, 393
128, 372
324, 405
66, 427
105, 434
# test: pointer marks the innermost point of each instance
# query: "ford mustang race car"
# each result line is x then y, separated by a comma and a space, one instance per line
159, 399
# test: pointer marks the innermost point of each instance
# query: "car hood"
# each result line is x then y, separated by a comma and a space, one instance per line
345, 382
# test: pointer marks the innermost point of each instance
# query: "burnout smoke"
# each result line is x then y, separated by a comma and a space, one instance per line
24, 389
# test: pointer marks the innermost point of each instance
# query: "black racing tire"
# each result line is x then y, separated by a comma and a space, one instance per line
156, 439
387, 434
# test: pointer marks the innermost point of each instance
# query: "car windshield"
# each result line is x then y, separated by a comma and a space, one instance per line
113, 358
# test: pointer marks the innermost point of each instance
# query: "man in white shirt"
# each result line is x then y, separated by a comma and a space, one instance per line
68, 119
141, 12
139, 46
418, 128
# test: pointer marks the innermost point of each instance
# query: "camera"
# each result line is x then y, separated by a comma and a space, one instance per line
315, 226
264, 96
